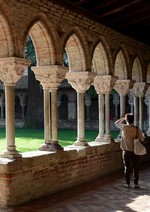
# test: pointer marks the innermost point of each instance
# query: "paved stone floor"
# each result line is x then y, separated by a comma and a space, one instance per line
107, 194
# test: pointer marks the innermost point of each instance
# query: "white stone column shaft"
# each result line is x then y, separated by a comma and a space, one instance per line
136, 111
141, 113
122, 105
11, 151
54, 114
101, 117
80, 117
107, 117
47, 134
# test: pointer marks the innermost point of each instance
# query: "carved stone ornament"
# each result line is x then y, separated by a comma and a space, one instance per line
139, 89
50, 76
80, 81
123, 86
104, 84
11, 69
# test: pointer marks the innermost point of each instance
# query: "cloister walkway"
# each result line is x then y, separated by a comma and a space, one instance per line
107, 194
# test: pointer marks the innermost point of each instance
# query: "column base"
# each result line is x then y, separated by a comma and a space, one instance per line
108, 138
11, 154
53, 146
80, 143
99, 138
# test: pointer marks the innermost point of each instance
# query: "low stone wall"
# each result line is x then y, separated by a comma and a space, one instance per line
41, 173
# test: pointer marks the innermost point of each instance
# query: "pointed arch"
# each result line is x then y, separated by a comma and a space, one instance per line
45, 48
137, 70
6, 38
77, 51
100, 60
120, 67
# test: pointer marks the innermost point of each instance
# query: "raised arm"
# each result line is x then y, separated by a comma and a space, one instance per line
119, 122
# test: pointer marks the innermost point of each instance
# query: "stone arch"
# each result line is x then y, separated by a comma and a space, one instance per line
77, 51
46, 48
120, 67
137, 70
6, 37
102, 59
148, 73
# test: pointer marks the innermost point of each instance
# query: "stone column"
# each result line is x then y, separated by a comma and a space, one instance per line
148, 96
103, 85
47, 126
50, 78
138, 91
11, 70
122, 87
116, 103
2, 106
101, 118
81, 82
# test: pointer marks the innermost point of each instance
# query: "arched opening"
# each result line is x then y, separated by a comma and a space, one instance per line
137, 71
100, 60
120, 68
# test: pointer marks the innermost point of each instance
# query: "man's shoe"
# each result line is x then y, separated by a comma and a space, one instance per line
136, 186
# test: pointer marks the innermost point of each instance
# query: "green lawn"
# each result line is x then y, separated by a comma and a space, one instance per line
31, 139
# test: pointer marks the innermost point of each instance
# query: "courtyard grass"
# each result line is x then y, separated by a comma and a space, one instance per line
31, 139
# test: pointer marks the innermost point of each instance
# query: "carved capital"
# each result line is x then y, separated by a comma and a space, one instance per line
104, 84
123, 86
11, 69
139, 89
50, 76
80, 81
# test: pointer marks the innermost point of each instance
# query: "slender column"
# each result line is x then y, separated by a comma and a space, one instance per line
50, 78
104, 85
122, 105
47, 134
107, 118
81, 82
11, 151
136, 111
80, 120
141, 113
11, 70
101, 118
54, 113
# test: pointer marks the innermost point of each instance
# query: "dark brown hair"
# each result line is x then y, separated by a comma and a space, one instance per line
129, 118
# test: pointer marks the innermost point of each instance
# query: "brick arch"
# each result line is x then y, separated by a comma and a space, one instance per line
77, 51
6, 38
148, 73
120, 67
46, 48
137, 70
102, 59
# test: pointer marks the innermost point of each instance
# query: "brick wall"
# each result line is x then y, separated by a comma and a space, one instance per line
42, 173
